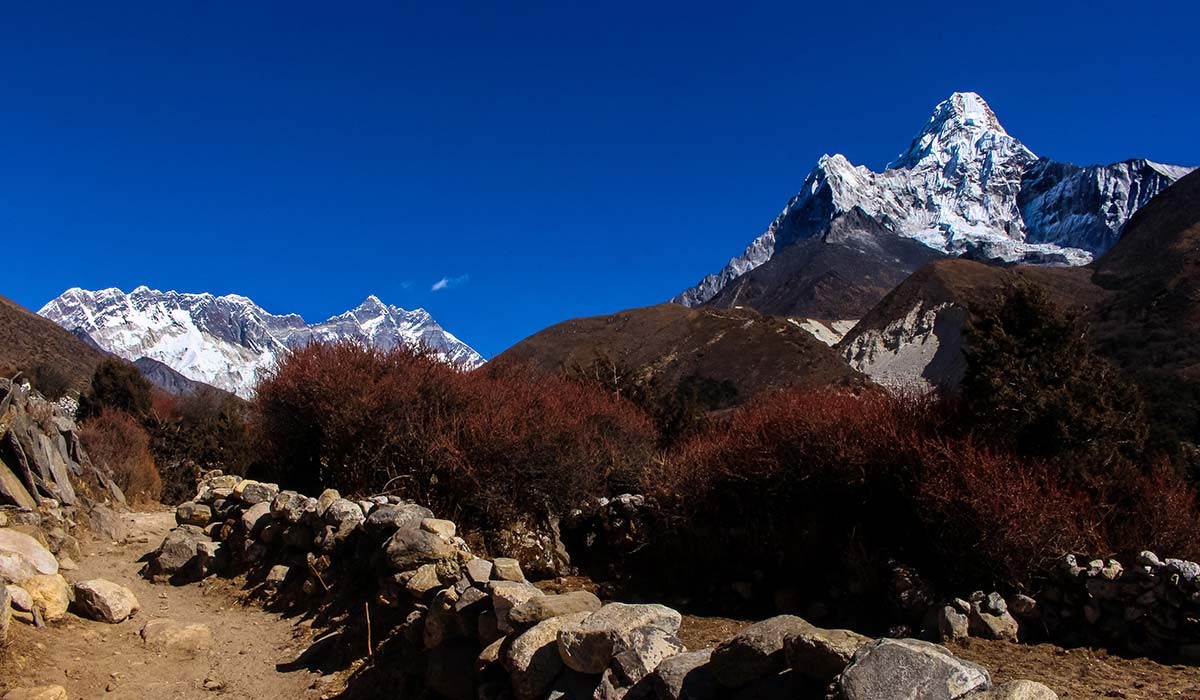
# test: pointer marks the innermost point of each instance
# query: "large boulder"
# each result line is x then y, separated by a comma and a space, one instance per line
544, 607
532, 658
756, 651
255, 518
22, 546
411, 547
589, 646
50, 595
686, 677
903, 669
105, 601
822, 654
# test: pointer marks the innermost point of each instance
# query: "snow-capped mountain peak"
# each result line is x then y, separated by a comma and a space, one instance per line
228, 341
964, 186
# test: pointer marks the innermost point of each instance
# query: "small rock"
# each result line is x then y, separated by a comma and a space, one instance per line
992, 626
445, 529
1018, 690
642, 650
327, 497
21, 599
1023, 606
43, 692
952, 624
409, 548
6, 611
105, 601
51, 595
253, 492
277, 575
256, 517
386, 519
478, 570
507, 595
424, 581
191, 513
505, 569
536, 609
169, 635
291, 507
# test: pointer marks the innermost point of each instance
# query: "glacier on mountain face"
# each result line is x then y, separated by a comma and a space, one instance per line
965, 187
229, 341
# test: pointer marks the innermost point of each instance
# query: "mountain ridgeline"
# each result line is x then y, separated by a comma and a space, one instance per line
228, 341
964, 187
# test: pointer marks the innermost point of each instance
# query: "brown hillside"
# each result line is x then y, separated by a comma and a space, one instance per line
28, 340
753, 351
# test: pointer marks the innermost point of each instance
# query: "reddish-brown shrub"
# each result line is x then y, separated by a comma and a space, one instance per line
484, 445
116, 440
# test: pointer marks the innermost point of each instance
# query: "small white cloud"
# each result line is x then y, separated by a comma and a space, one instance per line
447, 282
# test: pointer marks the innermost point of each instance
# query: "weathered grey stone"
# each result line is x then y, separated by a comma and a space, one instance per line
903, 669
21, 600
642, 650
411, 547
423, 581
253, 492
539, 608
51, 595
105, 601
256, 517
1017, 690
822, 654
291, 507
386, 519
12, 489
169, 635
532, 659
327, 497
478, 570
756, 651
507, 595
21, 545
1023, 606
686, 677
952, 624
588, 646
14, 567
105, 523
6, 608
277, 575
505, 569
472, 599
342, 518
177, 557
41, 692
990, 626
192, 513
446, 529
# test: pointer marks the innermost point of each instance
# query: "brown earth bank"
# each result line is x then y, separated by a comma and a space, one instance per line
250, 645
93, 659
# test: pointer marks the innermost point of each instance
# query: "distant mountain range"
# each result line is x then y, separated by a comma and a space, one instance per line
964, 187
228, 341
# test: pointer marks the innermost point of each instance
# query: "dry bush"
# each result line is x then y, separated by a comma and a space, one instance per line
116, 440
483, 445
526, 440
189, 434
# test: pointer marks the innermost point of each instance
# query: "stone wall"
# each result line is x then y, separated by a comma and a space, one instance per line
455, 625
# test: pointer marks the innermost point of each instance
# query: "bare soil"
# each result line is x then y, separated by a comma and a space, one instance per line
93, 659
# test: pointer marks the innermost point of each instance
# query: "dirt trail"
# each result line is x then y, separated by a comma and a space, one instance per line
93, 660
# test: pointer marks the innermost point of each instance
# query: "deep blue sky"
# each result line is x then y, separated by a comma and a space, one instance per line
569, 159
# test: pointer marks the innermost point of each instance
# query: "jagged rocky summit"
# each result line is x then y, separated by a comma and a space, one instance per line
964, 187
228, 341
